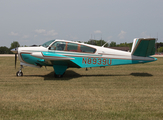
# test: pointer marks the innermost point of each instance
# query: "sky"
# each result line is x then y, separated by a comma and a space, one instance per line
36, 21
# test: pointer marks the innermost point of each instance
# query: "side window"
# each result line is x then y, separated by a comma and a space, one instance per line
87, 49
58, 46
72, 47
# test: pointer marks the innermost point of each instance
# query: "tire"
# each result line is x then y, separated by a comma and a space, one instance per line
58, 76
19, 74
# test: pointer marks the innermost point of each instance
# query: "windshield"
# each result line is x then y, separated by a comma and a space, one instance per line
47, 43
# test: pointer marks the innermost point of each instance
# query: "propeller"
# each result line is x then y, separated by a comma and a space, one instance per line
15, 50
15, 59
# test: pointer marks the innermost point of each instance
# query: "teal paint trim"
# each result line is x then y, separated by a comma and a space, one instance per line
52, 54
98, 62
60, 62
74, 53
59, 69
151, 45
145, 48
136, 42
79, 62
155, 59
30, 59
33, 60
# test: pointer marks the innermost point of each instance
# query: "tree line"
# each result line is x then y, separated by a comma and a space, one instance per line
158, 46
111, 44
6, 50
14, 44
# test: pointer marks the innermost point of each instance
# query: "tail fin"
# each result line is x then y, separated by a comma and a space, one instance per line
143, 47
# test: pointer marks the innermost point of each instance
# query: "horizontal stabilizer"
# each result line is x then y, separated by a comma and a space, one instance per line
143, 47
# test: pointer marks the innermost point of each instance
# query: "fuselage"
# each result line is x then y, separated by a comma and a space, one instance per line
74, 54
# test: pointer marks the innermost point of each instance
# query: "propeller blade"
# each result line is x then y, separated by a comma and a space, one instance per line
15, 60
15, 50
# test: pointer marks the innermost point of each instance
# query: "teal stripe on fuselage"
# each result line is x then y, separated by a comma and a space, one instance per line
98, 62
75, 53
85, 61
33, 60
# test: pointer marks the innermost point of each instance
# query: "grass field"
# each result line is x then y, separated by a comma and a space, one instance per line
118, 92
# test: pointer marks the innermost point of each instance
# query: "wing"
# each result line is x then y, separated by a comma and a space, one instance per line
55, 59
50, 56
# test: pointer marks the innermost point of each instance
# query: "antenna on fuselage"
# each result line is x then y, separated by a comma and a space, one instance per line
157, 37
106, 43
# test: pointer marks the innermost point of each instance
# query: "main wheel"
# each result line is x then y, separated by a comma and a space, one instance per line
58, 76
19, 74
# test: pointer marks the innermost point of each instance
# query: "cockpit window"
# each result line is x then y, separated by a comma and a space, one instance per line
87, 49
68, 46
47, 43
72, 47
59, 45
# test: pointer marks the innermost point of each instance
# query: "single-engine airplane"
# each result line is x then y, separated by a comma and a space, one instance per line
62, 54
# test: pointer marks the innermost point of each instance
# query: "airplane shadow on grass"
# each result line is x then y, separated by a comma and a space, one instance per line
141, 74
71, 74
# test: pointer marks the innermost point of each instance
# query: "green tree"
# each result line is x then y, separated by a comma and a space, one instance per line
100, 43
113, 44
125, 45
159, 44
14, 44
97, 42
92, 42
4, 50
160, 49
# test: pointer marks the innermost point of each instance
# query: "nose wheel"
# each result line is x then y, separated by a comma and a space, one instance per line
20, 73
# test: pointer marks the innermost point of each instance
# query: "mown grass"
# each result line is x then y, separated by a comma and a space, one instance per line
116, 92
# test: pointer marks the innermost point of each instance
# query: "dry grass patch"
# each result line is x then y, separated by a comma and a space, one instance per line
116, 92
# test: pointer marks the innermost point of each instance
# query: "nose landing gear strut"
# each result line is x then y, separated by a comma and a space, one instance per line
20, 73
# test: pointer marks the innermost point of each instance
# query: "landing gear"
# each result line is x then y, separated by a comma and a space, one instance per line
58, 76
20, 73
59, 70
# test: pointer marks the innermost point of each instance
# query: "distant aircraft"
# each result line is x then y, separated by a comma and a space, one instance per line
63, 54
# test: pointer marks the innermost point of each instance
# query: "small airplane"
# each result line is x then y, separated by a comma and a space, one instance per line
63, 54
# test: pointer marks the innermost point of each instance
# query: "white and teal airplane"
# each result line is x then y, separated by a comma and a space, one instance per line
63, 54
